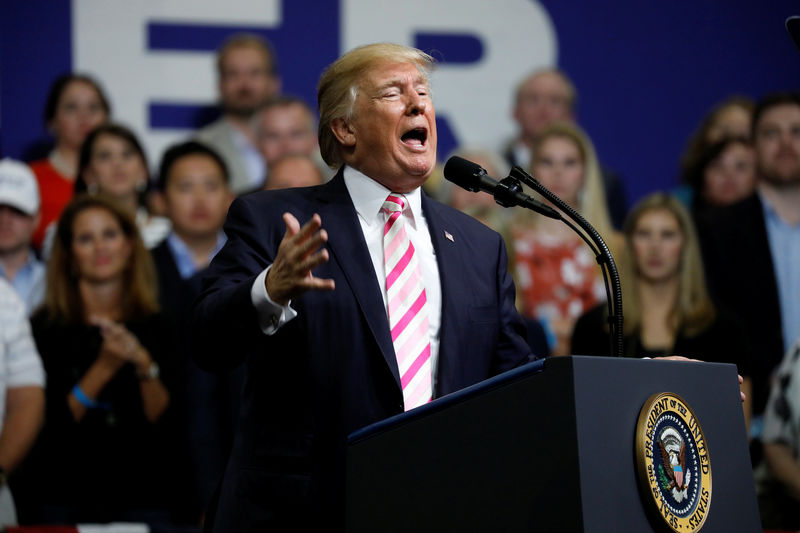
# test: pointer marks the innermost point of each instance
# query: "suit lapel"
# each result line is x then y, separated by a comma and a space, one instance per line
349, 250
448, 254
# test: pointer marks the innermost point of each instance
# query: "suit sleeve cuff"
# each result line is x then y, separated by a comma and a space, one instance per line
271, 316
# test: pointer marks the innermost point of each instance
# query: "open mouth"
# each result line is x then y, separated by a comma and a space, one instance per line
415, 137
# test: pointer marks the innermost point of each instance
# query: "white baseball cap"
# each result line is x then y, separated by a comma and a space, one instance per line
18, 187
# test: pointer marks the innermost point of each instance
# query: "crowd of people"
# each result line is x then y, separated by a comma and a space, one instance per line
100, 263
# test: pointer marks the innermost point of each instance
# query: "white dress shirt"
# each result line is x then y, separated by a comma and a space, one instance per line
368, 196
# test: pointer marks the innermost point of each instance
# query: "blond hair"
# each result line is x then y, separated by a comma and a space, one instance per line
339, 85
62, 297
592, 197
693, 311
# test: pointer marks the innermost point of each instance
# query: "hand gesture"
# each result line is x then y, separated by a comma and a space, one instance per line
119, 346
298, 254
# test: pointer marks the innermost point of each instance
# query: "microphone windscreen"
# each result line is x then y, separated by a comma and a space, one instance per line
463, 173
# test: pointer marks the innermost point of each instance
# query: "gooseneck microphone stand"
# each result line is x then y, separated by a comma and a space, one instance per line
597, 245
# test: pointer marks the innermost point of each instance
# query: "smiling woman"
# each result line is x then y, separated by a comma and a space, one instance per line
105, 348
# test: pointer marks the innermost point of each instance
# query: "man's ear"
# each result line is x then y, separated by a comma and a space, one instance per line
344, 132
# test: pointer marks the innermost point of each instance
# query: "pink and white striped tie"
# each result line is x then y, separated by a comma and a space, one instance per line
408, 312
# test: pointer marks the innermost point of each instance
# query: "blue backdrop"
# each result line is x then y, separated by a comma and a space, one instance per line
645, 71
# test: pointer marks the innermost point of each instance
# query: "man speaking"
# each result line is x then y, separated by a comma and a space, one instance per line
349, 302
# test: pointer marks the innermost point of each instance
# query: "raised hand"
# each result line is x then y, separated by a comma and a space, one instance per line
298, 254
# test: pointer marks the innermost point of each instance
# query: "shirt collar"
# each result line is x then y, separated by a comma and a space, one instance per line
31, 263
368, 196
769, 211
183, 256
770, 214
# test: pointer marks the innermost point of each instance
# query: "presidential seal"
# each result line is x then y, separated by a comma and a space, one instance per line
673, 462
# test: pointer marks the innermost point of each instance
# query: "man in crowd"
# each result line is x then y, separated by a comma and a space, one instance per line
193, 181
544, 97
293, 170
19, 216
21, 393
285, 126
307, 307
751, 249
248, 79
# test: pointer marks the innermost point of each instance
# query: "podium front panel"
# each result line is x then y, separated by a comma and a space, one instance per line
544, 451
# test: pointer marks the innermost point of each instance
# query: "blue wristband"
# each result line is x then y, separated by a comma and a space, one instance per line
85, 401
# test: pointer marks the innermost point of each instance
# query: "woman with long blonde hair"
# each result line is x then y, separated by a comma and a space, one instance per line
666, 306
556, 273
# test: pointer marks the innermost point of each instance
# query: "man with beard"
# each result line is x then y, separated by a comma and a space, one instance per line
248, 79
752, 249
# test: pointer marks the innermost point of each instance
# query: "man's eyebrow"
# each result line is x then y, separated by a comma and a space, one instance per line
394, 82
397, 82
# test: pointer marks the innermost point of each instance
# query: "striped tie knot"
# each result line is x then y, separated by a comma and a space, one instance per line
394, 203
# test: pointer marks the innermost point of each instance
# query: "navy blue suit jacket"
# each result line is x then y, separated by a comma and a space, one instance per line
332, 369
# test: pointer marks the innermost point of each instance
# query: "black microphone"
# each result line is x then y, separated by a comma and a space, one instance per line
506, 192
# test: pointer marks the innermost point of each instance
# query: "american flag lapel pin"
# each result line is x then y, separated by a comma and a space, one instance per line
448, 236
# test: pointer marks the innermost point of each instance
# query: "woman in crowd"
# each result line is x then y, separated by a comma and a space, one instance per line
483, 207
778, 477
666, 307
75, 106
724, 173
105, 348
556, 273
732, 117
112, 162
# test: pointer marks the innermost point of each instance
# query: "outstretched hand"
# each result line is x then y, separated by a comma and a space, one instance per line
298, 254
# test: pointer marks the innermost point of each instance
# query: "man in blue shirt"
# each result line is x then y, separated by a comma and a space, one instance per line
193, 180
19, 216
752, 248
